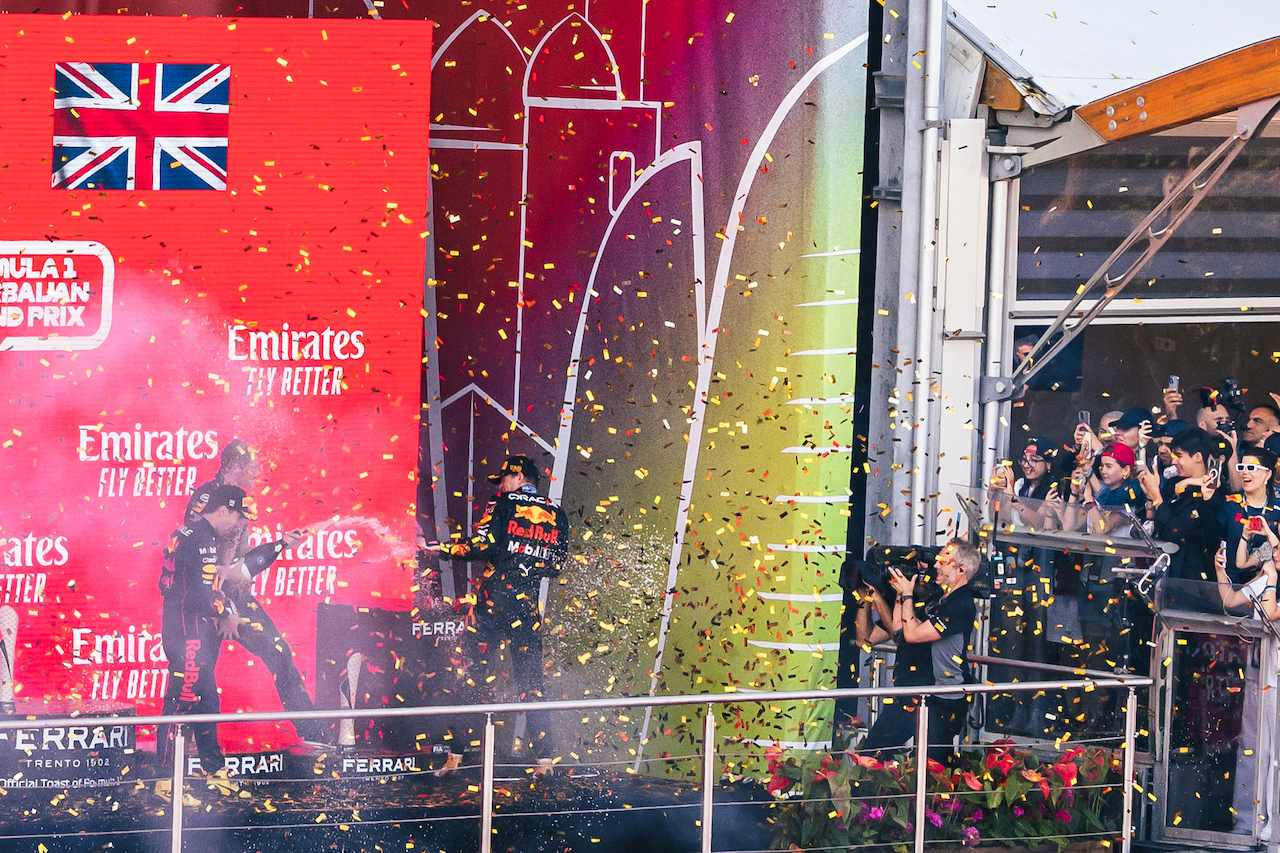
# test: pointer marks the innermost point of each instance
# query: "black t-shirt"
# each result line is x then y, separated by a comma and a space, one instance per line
1196, 526
945, 660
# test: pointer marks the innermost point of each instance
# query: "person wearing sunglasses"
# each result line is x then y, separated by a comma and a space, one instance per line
1248, 512
1026, 495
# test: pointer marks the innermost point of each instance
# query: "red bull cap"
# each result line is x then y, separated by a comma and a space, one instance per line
518, 465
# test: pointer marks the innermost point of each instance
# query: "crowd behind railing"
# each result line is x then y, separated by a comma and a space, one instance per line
1084, 523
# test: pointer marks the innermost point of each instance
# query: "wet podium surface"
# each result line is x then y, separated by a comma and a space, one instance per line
314, 800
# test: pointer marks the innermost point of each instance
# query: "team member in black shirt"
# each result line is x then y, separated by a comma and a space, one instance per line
197, 612
933, 649
523, 537
238, 566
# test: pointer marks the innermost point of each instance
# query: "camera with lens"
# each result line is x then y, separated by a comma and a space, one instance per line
914, 561
1229, 395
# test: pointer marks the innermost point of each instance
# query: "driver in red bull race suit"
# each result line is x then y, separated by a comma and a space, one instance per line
522, 537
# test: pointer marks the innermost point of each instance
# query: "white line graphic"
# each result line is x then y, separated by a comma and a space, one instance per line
707, 347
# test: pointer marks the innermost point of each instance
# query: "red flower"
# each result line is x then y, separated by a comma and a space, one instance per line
972, 781
778, 783
773, 753
1067, 772
1002, 759
825, 771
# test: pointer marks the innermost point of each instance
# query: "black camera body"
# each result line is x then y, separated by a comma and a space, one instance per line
914, 561
1230, 396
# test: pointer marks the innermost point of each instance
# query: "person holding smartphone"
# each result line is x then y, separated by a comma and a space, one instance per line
1026, 496
1189, 510
1248, 512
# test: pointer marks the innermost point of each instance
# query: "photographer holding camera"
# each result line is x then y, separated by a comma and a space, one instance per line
932, 649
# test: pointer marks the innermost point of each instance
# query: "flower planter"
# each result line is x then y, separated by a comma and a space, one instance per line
997, 791
1035, 846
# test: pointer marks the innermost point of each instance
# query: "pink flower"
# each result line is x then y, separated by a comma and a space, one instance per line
971, 836
934, 817
1063, 815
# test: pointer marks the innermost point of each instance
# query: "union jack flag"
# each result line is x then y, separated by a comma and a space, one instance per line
144, 126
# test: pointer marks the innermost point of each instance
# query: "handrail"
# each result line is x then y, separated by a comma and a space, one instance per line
1053, 667
1095, 679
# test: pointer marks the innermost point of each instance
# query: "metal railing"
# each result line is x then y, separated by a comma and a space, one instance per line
1087, 679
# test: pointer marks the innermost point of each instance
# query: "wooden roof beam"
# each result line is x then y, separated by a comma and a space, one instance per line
1212, 87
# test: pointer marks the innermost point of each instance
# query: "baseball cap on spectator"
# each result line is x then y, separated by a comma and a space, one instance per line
1176, 427
1122, 453
1132, 418
1040, 446
1272, 443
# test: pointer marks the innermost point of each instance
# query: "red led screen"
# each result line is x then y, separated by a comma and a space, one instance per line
211, 229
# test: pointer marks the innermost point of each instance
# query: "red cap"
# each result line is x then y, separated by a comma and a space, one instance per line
1122, 453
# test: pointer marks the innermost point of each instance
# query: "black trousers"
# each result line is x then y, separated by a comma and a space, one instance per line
508, 629
263, 640
897, 724
191, 645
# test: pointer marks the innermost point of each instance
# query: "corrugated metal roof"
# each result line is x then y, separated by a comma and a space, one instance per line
1078, 51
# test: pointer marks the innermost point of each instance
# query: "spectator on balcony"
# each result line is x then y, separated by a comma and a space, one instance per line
1263, 422
1026, 495
1248, 513
1189, 510
1115, 488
